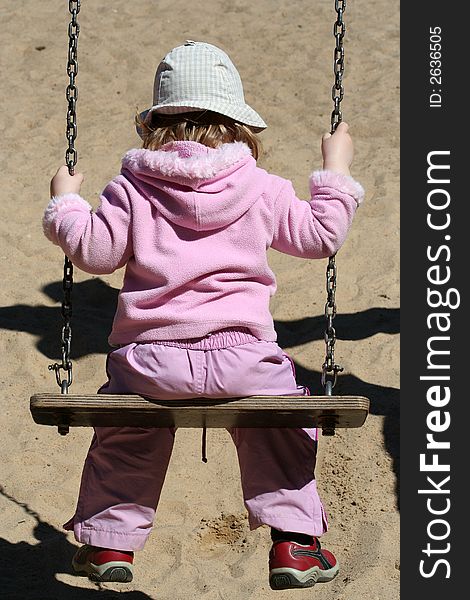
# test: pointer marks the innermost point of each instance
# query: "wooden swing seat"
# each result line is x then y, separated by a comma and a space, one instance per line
112, 410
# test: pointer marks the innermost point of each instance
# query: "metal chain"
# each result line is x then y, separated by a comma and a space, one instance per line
70, 160
66, 363
337, 91
330, 370
329, 366
72, 91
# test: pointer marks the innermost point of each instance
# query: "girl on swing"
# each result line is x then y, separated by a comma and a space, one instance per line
191, 217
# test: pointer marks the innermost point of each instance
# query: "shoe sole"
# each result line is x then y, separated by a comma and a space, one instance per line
285, 578
116, 572
113, 574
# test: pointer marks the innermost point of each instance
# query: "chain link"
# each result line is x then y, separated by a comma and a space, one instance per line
330, 369
66, 364
329, 365
70, 160
72, 91
337, 91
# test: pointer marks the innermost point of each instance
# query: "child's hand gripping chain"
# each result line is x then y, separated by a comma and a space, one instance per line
337, 150
63, 183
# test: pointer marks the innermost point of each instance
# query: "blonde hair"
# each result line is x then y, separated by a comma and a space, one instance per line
206, 127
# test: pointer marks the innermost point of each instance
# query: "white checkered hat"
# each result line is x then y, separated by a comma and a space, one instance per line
199, 76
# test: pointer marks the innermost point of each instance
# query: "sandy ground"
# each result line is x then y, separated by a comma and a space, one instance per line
201, 546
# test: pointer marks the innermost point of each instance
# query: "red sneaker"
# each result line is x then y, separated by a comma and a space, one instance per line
101, 564
293, 565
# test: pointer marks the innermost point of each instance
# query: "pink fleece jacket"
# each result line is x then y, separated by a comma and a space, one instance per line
192, 225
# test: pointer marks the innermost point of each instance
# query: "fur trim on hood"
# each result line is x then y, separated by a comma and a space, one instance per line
186, 160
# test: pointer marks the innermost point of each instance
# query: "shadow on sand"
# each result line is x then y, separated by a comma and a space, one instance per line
28, 571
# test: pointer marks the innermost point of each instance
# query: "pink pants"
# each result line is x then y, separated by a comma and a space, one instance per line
125, 468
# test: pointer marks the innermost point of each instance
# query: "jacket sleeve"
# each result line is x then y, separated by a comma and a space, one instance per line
96, 242
318, 228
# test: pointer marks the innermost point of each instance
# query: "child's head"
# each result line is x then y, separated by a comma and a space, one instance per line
198, 96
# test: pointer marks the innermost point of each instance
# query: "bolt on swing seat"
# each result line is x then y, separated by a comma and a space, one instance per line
66, 410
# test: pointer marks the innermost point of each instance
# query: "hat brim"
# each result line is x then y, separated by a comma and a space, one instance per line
240, 113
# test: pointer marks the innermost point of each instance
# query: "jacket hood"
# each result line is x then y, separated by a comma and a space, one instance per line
194, 186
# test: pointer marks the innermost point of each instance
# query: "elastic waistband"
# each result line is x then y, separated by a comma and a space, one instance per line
225, 338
